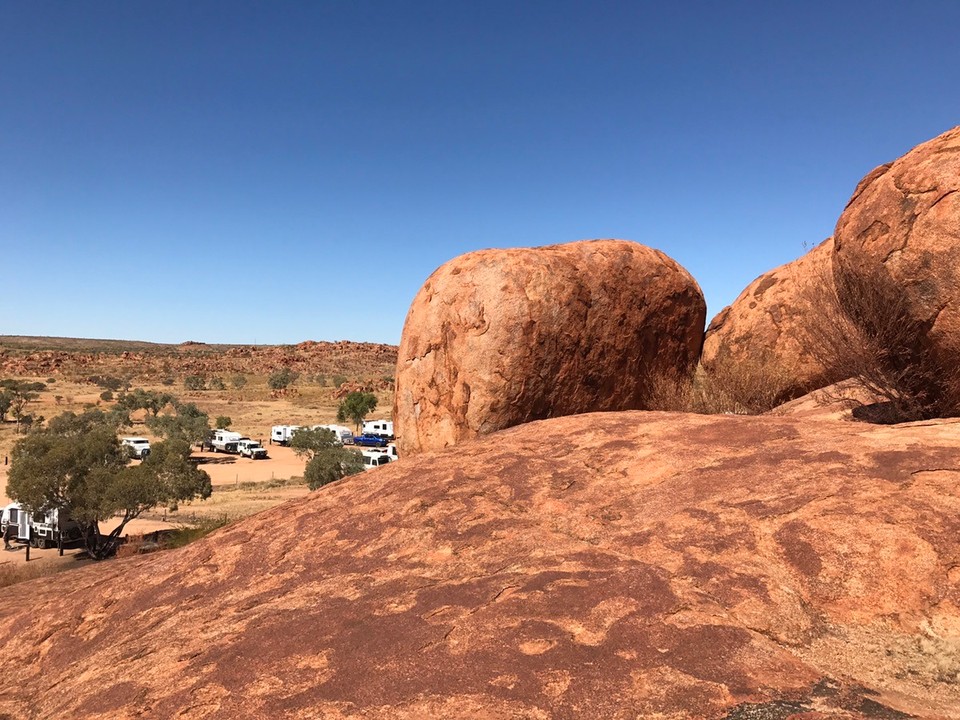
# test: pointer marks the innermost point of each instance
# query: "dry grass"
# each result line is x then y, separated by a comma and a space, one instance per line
740, 387
928, 656
15, 572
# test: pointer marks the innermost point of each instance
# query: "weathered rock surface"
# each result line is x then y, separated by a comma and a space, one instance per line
648, 565
497, 338
904, 220
769, 322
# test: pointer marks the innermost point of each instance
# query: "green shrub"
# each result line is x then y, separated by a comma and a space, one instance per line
282, 379
195, 382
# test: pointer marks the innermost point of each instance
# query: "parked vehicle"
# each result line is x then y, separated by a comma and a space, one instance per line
342, 434
41, 530
281, 434
381, 428
224, 441
136, 447
390, 450
251, 449
373, 459
370, 441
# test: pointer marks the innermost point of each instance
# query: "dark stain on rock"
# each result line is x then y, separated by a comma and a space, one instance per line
766, 282
709, 652
873, 709
799, 552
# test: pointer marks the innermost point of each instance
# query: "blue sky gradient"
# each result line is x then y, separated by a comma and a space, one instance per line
275, 172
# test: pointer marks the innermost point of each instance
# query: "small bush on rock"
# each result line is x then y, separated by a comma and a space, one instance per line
869, 333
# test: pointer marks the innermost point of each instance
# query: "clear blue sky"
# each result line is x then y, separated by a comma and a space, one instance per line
274, 172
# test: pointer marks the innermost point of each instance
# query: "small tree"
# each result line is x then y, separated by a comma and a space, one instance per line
216, 383
356, 406
6, 400
21, 398
106, 395
140, 399
107, 382
224, 422
282, 379
328, 461
238, 381
188, 423
78, 466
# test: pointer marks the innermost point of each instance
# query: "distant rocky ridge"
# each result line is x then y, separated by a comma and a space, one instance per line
77, 358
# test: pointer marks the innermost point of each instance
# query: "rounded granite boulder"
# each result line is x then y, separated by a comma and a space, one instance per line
497, 338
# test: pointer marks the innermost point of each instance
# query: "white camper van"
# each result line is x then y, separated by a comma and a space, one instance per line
380, 428
281, 434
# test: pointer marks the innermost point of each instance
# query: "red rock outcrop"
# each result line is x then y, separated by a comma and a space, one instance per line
497, 338
611, 565
153, 361
904, 222
768, 322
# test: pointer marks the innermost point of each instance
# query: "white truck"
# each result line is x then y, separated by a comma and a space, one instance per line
251, 449
224, 441
281, 434
390, 450
136, 447
380, 428
373, 459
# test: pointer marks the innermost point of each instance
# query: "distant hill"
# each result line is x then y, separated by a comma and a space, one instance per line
75, 357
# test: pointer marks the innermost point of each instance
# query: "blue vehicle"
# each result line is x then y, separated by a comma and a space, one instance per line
370, 441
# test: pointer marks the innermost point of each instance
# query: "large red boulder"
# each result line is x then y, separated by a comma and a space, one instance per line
903, 224
770, 322
496, 338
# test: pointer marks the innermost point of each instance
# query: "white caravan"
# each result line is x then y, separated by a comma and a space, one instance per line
17, 520
45, 526
380, 428
224, 441
136, 447
281, 434
343, 435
